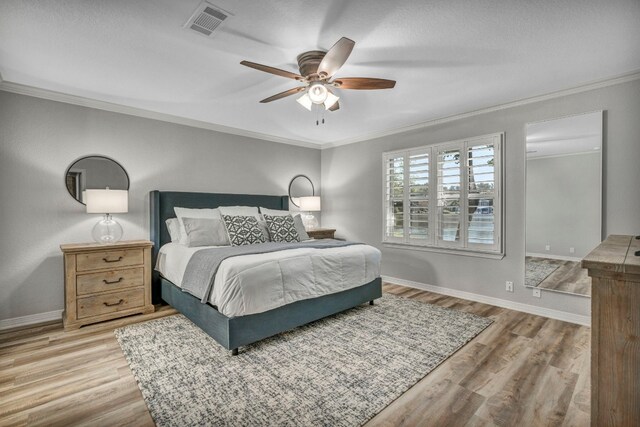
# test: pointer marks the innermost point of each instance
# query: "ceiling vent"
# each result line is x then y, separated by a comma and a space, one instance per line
207, 19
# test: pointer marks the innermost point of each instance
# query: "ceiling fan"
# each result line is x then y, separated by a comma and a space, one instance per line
317, 68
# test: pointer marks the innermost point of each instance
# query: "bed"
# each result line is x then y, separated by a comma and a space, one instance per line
233, 332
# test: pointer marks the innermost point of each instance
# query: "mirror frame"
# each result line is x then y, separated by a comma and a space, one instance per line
313, 190
66, 172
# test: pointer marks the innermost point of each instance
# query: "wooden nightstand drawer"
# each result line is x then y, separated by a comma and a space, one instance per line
104, 282
109, 303
109, 280
109, 259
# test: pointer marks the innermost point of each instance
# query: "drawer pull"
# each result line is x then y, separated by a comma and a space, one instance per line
114, 304
107, 282
112, 260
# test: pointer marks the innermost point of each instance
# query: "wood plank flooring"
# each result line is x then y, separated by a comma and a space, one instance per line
523, 370
570, 277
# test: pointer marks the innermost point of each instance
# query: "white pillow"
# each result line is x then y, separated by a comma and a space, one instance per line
173, 225
193, 213
240, 211
274, 212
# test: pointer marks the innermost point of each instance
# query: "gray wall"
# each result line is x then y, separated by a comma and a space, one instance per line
352, 194
563, 204
40, 138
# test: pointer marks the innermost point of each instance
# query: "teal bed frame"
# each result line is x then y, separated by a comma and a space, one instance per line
234, 332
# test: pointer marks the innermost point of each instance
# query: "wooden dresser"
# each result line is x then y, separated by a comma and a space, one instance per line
322, 233
614, 267
103, 282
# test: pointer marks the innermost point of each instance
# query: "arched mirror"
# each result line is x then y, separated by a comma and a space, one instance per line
94, 172
300, 186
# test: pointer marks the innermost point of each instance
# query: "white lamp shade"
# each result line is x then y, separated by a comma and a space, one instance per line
330, 101
305, 101
310, 204
107, 201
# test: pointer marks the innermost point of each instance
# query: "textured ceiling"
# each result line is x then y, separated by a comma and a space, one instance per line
448, 57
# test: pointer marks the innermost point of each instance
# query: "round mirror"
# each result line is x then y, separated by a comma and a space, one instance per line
300, 186
92, 173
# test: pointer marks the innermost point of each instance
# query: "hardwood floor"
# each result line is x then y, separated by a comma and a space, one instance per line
570, 277
522, 370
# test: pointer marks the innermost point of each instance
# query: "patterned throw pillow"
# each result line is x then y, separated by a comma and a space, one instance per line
243, 230
282, 228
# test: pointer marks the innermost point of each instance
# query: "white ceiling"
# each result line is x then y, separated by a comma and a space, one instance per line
568, 135
448, 57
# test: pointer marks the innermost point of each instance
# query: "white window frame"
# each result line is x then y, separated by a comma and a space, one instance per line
432, 243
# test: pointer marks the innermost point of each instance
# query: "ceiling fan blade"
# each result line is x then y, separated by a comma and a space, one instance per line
335, 106
272, 70
363, 83
283, 94
335, 57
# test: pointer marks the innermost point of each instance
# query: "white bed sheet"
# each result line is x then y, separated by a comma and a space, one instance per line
256, 283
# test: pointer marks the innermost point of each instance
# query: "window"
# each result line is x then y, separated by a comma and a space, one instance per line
445, 196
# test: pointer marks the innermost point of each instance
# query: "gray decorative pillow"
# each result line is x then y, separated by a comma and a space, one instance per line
282, 228
302, 233
243, 230
205, 232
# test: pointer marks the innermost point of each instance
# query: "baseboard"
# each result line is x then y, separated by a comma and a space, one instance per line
511, 305
560, 257
32, 319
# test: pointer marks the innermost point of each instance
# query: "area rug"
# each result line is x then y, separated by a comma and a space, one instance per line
538, 269
338, 371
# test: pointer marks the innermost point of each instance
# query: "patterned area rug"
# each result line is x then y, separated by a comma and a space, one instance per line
538, 269
338, 371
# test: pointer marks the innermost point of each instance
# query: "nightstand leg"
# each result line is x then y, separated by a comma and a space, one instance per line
371, 302
234, 352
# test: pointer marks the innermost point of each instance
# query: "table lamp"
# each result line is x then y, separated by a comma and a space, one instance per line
309, 204
107, 202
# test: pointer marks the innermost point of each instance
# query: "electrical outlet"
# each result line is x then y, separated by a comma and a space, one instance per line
536, 292
547, 248
509, 286
572, 250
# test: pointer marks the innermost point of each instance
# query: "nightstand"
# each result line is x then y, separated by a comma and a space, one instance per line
104, 282
322, 233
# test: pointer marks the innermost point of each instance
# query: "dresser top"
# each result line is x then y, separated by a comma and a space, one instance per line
123, 244
616, 254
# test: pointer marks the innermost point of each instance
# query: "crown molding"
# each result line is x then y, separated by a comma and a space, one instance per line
635, 75
147, 114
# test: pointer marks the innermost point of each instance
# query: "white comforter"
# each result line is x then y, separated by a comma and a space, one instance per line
251, 284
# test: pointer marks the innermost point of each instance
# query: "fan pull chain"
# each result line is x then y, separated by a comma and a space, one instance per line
319, 116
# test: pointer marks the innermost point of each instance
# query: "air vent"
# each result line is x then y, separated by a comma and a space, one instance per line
207, 19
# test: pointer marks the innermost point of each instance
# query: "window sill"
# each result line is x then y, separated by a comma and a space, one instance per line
448, 251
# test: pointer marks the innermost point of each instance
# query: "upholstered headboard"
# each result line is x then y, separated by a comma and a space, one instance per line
163, 202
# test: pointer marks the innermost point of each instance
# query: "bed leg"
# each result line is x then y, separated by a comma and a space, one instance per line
234, 352
371, 302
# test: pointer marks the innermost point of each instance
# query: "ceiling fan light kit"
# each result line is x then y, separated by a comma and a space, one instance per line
317, 92
316, 70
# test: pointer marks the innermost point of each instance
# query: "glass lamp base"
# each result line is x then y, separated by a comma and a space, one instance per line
309, 221
107, 230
